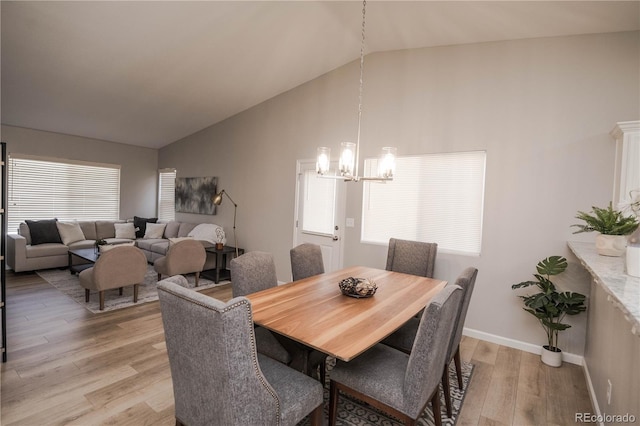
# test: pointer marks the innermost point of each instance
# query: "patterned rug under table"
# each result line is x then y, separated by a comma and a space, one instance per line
353, 412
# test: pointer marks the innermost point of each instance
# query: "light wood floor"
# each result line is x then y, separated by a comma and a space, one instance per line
69, 366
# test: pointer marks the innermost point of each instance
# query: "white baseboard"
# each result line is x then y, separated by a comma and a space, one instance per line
517, 344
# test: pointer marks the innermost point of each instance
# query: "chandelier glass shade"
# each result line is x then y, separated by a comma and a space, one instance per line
350, 151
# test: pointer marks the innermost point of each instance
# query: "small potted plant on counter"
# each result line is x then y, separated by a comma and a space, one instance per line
550, 306
613, 227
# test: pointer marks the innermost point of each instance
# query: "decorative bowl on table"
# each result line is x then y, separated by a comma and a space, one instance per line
357, 287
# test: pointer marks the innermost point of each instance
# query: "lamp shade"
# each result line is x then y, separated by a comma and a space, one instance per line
387, 162
347, 159
323, 160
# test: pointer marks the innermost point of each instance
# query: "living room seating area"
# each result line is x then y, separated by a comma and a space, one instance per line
45, 244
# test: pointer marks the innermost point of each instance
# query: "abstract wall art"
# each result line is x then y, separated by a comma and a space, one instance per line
194, 194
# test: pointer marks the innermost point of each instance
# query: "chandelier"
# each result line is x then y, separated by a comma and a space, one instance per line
350, 152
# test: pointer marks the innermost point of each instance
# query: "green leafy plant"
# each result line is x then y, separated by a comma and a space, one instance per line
606, 221
101, 242
548, 305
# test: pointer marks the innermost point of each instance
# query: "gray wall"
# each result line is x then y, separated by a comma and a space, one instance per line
541, 108
138, 172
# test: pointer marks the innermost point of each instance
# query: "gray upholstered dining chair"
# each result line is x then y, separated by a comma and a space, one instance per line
396, 383
255, 271
117, 268
306, 261
411, 257
403, 338
250, 273
184, 257
218, 377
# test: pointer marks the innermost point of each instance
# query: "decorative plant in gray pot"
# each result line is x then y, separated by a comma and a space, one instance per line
550, 306
613, 227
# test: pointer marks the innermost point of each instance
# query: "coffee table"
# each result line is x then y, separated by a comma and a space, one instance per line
88, 254
221, 271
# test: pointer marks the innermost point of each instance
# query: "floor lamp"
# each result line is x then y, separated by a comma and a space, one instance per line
217, 200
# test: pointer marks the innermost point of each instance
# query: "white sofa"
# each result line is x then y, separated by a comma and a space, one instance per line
23, 256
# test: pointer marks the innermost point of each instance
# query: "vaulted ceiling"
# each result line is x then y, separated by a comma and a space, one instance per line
149, 73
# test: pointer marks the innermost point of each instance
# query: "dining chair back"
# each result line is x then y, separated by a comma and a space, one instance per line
218, 377
306, 261
252, 272
411, 257
403, 338
395, 383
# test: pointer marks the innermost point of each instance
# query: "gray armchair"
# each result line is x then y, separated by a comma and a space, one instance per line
184, 257
404, 337
116, 268
306, 261
411, 257
218, 377
399, 384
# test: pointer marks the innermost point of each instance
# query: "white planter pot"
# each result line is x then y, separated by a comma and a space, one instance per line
611, 245
551, 358
633, 260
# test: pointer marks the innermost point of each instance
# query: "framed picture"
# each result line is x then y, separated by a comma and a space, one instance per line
194, 194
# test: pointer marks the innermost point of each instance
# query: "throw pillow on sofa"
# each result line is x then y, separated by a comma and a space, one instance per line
154, 230
125, 230
43, 231
140, 223
70, 232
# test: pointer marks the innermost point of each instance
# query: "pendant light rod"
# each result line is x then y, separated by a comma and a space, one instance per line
361, 87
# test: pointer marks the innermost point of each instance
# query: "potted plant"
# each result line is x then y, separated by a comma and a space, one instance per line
550, 306
612, 225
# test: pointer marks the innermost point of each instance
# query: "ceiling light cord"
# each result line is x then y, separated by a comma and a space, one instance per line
364, 8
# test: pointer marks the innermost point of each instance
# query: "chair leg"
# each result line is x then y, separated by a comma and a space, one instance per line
333, 403
159, 278
435, 403
86, 295
135, 293
102, 300
316, 416
456, 359
197, 278
446, 390
121, 290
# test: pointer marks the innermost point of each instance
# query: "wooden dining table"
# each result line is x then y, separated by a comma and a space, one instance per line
314, 312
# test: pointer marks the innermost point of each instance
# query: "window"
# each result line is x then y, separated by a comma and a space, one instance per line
433, 198
318, 209
167, 194
44, 188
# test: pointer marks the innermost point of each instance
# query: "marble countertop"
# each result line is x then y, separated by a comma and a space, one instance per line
609, 272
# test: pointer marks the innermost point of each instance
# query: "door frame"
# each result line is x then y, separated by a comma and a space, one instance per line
340, 211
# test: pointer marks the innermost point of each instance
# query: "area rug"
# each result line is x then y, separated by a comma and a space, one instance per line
353, 412
70, 285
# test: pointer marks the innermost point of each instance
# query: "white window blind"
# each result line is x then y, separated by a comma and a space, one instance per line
42, 188
318, 214
432, 198
167, 194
